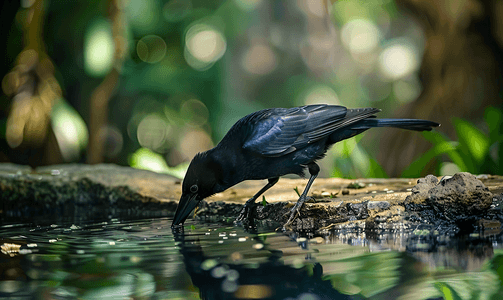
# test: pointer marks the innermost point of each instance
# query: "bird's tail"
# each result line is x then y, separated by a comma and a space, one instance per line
409, 124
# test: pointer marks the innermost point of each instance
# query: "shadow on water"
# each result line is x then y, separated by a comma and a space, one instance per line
145, 259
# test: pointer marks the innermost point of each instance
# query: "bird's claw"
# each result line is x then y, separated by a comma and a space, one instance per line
294, 212
243, 214
246, 213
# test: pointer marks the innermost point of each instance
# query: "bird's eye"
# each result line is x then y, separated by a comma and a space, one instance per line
193, 189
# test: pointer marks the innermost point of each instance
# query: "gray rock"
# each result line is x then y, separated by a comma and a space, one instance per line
460, 196
417, 200
78, 190
425, 184
456, 197
380, 205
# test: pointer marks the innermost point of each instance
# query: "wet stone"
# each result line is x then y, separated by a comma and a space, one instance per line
455, 203
104, 191
389, 218
380, 205
460, 196
498, 201
306, 224
417, 200
358, 210
84, 192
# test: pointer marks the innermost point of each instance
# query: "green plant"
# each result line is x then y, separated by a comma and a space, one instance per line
352, 161
475, 151
296, 189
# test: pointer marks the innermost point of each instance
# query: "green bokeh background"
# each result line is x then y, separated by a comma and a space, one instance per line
192, 68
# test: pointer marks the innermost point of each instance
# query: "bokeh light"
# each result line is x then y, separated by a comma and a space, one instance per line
360, 36
399, 59
151, 49
194, 112
152, 132
277, 54
259, 59
70, 130
193, 142
204, 45
98, 48
321, 94
146, 159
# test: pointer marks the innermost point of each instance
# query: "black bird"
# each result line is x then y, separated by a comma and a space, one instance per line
274, 142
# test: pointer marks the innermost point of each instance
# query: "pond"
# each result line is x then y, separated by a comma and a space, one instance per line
145, 259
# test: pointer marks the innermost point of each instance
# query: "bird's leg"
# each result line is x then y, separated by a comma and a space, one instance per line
314, 170
245, 212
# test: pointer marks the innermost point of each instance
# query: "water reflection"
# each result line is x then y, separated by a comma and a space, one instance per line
227, 263
144, 259
107, 260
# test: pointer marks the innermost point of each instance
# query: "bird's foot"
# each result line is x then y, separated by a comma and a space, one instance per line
246, 213
295, 211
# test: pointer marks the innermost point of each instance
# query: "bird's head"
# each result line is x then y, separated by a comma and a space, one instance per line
201, 181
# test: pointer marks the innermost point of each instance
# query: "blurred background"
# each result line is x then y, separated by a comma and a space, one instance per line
149, 83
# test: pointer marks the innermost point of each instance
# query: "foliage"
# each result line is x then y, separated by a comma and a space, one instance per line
352, 161
475, 151
189, 69
146, 159
296, 189
371, 273
486, 284
447, 291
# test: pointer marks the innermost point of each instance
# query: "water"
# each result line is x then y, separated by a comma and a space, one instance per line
145, 259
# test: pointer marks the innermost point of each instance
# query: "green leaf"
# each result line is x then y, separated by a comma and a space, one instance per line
296, 189
447, 291
447, 147
376, 170
496, 264
264, 203
493, 118
443, 147
472, 139
360, 161
434, 137
348, 146
415, 168
146, 159
367, 274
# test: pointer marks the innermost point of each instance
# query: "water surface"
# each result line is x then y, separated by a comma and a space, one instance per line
145, 259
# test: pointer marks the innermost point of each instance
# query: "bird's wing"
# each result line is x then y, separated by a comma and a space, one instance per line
278, 132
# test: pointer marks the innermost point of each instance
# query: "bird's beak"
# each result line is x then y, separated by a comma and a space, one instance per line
185, 207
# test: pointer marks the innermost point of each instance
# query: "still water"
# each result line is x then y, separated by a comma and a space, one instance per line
145, 259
